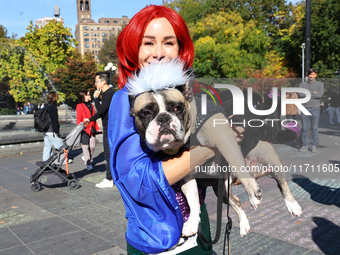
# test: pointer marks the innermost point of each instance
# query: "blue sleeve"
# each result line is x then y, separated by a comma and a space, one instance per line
154, 216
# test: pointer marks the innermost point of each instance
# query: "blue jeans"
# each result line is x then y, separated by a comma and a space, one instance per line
314, 119
51, 140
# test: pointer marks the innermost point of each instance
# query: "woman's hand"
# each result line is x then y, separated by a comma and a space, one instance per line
176, 168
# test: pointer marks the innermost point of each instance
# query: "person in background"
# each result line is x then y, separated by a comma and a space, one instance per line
30, 108
316, 89
25, 109
88, 137
334, 106
102, 106
291, 109
52, 137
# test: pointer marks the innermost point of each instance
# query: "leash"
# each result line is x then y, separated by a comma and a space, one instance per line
220, 194
229, 223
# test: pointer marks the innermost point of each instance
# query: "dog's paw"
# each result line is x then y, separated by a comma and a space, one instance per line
255, 197
244, 225
293, 208
190, 227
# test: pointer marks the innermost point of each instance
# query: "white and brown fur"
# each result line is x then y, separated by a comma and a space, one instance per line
220, 137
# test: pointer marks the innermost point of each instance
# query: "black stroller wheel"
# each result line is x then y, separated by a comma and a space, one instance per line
73, 184
35, 186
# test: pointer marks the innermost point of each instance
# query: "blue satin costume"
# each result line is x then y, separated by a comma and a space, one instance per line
154, 216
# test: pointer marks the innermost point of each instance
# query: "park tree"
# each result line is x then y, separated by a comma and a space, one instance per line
78, 74
108, 52
325, 37
225, 45
3, 33
29, 62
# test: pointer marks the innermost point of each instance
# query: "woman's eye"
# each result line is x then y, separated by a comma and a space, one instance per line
148, 43
169, 43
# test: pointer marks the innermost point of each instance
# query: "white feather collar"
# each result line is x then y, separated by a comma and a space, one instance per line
158, 76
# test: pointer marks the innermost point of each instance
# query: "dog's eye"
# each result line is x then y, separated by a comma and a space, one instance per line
145, 113
178, 108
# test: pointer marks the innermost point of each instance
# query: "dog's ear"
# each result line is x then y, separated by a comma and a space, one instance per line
132, 104
187, 89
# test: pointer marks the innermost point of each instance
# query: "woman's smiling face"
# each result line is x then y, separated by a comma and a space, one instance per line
159, 43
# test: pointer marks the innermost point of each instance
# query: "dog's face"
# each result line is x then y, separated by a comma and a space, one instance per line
162, 119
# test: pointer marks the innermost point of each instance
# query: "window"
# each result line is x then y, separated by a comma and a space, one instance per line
104, 39
91, 28
86, 34
86, 45
104, 34
86, 40
86, 28
87, 5
102, 28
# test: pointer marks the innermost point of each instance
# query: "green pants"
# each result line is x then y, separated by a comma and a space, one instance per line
201, 247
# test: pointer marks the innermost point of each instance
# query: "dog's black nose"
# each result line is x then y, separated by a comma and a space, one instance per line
163, 118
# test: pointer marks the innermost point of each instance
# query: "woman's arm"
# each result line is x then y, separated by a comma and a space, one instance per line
177, 168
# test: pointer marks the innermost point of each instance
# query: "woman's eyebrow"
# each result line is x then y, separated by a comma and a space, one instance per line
154, 37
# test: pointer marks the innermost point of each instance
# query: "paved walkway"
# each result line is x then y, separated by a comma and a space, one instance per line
89, 220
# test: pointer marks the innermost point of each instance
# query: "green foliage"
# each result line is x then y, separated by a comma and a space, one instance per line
226, 45
3, 33
108, 52
6, 111
78, 74
28, 62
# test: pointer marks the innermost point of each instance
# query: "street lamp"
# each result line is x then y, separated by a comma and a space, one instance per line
303, 61
111, 69
337, 75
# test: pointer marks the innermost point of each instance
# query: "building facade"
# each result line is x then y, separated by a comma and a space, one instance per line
91, 35
39, 23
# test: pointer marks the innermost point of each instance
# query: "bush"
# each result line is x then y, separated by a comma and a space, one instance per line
6, 111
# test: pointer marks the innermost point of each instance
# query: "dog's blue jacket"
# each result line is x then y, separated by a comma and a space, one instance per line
154, 217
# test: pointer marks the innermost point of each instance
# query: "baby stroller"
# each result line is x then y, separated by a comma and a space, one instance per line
50, 172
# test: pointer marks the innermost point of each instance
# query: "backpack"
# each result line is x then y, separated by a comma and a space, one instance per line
41, 120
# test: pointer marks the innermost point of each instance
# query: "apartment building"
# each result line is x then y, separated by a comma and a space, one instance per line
91, 35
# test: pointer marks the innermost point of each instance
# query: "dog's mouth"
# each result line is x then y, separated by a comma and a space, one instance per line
166, 134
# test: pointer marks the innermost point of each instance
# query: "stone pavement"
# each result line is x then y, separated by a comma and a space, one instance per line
57, 220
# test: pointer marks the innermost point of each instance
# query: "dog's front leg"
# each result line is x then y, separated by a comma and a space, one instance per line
190, 191
219, 134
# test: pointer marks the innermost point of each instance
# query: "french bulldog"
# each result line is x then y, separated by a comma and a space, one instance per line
164, 110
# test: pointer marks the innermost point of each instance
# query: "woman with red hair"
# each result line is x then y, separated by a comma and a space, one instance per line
155, 216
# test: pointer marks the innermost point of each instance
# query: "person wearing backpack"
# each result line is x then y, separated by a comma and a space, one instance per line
88, 137
52, 136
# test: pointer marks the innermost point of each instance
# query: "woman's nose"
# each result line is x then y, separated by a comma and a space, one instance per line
159, 53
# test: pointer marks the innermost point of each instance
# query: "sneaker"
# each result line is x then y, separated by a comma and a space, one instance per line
89, 167
105, 184
69, 161
83, 158
303, 149
313, 149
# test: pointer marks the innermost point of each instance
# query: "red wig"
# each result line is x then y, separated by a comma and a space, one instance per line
130, 39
